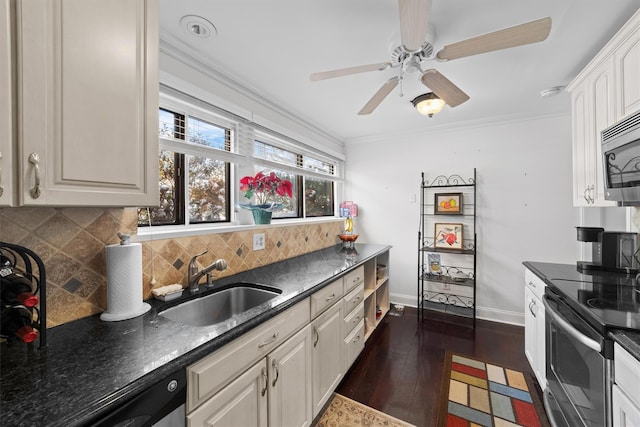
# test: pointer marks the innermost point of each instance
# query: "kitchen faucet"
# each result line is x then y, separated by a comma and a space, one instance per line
195, 275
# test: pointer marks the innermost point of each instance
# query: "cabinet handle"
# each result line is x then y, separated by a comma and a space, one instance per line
356, 339
269, 341
34, 159
274, 364
357, 319
265, 377
533, 285
315, 332
591, 200
532, 303
585, 194
331, 297
357, 300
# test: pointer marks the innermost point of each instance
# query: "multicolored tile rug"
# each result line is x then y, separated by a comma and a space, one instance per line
476, 393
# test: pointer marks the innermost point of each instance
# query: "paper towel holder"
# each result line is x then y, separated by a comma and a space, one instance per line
129, 307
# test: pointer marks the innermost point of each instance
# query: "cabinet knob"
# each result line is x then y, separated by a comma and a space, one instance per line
34, 159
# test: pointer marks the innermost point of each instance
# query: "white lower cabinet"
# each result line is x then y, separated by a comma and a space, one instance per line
534, 326
327, 356
241, 403
626, 388
290, 382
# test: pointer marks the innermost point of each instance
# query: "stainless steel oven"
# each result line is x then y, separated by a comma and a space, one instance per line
579, 368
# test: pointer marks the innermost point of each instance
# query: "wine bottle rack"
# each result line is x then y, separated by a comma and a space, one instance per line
25, 260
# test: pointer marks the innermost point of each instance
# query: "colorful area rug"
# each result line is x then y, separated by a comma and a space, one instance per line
476, 393
344, 412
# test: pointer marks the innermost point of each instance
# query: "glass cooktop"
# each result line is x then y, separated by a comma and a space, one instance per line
607, 301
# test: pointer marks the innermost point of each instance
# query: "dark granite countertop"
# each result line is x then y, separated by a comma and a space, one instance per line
627, 338
90, 366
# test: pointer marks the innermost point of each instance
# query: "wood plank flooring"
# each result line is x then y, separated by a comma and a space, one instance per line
400, 370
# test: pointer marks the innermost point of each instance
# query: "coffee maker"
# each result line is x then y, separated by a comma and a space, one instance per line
613, 251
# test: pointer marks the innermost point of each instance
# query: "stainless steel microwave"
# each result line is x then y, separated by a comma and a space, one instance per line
621, 161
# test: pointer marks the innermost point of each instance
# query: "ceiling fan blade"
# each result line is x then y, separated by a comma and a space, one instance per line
530, 32
379, 96
348, 71
414, 19
442, 86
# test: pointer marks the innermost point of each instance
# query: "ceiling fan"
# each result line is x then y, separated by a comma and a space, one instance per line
415, 49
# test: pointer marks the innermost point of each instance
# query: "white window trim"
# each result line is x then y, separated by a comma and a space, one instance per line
241, 158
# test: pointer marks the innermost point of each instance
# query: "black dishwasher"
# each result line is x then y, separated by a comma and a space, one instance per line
161, 405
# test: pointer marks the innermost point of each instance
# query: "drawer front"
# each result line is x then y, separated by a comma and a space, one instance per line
326, 297
353, 319
353, 299
207, 376
627, 373
353, 278
354, 344
534, 283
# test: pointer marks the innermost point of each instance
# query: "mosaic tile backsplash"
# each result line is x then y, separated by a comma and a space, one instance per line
71, 243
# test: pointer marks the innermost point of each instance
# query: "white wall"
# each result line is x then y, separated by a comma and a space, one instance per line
524, 202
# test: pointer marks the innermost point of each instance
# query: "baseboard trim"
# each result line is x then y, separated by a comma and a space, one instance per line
484, 313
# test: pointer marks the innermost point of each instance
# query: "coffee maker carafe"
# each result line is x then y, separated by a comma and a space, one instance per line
612, 251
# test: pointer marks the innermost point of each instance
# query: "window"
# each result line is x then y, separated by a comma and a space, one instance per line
313, 194
194, 184
204, 150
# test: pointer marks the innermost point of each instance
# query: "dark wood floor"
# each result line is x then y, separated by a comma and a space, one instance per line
400, 370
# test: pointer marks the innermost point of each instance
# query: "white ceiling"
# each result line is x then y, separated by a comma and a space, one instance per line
271, 47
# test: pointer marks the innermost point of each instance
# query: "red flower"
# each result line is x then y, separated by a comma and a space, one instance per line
265, 186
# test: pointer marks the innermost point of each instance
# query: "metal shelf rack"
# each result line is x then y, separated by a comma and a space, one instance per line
447, 275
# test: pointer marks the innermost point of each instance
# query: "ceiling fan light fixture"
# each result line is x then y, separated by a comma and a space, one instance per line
428, 104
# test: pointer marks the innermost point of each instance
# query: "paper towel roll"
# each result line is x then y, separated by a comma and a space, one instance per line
124, 282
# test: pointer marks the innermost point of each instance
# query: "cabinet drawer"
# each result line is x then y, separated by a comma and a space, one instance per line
353, 299
353, 278
207, 376
352, 319
627, 373
326, 297
354, 344
534, 283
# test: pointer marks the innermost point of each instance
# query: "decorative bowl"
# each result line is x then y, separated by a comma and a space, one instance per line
348, 237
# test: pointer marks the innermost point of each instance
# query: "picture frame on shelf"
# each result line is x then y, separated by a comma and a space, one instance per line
447, 235
448, 204
435, 268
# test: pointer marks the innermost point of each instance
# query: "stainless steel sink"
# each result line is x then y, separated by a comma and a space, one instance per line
220, 306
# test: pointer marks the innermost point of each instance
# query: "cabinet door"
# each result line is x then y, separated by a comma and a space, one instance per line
625, 413
602, 108
242, 403
290, 382
628, 65
530, 326
7, 140
581, 147
88, 102
327, 357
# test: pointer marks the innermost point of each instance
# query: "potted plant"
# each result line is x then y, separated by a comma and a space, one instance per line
263, 189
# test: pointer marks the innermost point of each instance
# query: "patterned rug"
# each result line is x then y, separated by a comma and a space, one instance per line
344, 412
476, 393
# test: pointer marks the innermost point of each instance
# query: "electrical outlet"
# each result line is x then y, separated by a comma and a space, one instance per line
258, 241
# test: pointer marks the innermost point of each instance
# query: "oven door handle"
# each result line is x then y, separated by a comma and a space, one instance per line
568, 328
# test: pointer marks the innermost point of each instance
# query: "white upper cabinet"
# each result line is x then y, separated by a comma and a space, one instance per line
7, 138
604, 92
87, 102
627, 58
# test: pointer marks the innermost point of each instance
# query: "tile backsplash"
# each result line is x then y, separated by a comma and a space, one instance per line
71, 243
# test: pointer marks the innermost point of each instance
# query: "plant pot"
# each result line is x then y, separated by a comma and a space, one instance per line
261, 216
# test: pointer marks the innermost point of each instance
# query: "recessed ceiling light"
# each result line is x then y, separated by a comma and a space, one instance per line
197, 26
552, 91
